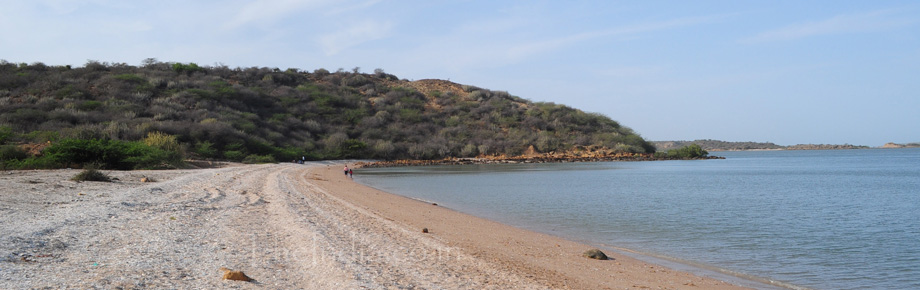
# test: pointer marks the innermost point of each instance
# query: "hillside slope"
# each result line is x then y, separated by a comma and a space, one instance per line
230, 113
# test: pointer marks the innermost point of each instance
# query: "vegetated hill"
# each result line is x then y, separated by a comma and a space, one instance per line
231, 113
716, 145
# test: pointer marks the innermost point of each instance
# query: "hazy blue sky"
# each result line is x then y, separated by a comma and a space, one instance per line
788, 72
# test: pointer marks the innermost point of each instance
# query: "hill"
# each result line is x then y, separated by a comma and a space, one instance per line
268, 113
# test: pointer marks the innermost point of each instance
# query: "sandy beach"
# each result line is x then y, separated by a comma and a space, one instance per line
288, 226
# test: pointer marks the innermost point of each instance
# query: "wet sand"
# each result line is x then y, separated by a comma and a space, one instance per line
549, 260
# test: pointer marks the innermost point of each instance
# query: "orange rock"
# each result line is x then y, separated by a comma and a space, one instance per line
235, 275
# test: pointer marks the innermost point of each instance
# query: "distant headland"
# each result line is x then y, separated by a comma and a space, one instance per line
717, 145
895, 145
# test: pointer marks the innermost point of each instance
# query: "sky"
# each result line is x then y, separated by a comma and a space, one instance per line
788, 72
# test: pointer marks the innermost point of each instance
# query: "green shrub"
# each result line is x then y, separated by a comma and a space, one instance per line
41, 162
206, 149
355, 115
12, 152
200, 93
131, 78
41, 136
256, 159
410, 115
25, 115
162, 140
689, 151
111, 154
140, 156
290, 153
234, 155
91, 174
76, 152
246, 126
89, 105
350, 148
6, 133
187, 68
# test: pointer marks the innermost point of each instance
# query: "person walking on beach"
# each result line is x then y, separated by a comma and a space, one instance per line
346, 170
351, 173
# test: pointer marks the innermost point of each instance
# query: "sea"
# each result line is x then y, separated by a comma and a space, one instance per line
810, 219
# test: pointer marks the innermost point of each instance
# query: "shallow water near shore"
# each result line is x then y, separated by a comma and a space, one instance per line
837, 219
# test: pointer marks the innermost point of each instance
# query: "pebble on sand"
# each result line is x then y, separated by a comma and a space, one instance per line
595, 254
235, 275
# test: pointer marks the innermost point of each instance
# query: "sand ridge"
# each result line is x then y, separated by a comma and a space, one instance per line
288, 226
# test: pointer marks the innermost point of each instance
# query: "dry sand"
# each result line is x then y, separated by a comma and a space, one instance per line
287, 226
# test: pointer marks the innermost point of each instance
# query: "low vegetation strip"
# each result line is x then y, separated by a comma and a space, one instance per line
157, 151
691, 152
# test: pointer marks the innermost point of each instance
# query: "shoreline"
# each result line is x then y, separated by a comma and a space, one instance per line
288, 226
670, 273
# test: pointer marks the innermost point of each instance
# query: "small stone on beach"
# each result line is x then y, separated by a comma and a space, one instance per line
235, 275
425, 230
595, 254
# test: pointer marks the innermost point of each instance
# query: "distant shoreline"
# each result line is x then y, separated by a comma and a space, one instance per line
799, 149
718, 145
523, 159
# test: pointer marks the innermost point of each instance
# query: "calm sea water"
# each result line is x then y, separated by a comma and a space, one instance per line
839, 219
